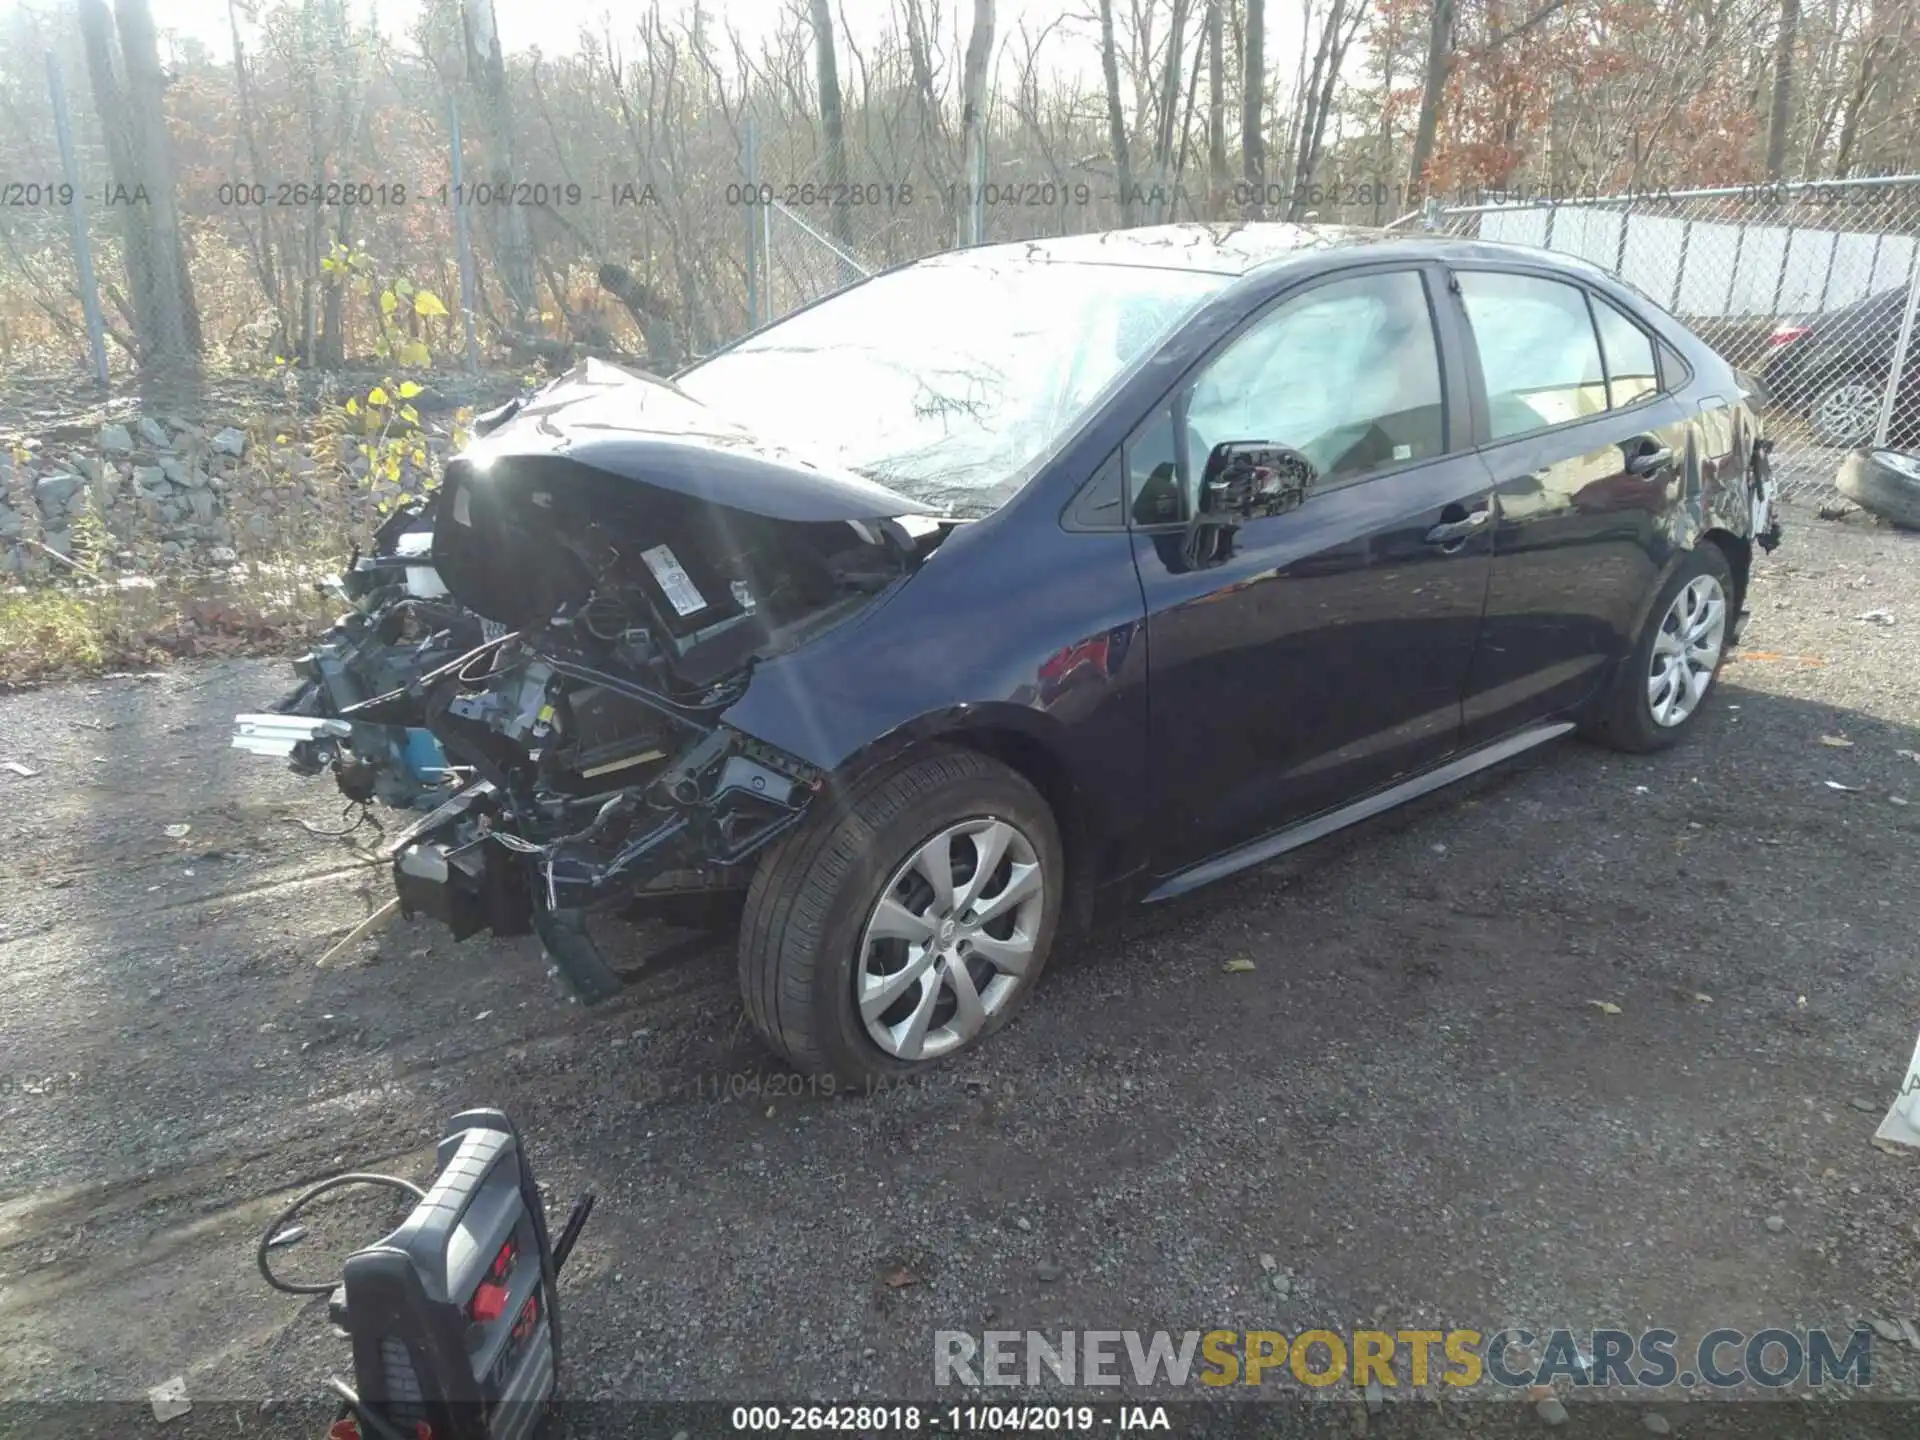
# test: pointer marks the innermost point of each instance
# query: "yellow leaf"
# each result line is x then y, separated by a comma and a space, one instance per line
1605, 1007
408, 389
377, 396
425, 302
1239, 965
409, 414
388, 304
393, 467
415, 352
352, 406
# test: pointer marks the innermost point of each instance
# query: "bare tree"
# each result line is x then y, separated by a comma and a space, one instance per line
1116, 116
973, 112
1216, 108
128, 88
512, 241
1780, 113
1433, 87
832, 123
1253, 143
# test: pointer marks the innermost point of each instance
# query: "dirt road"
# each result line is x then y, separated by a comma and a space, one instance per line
1410, 1105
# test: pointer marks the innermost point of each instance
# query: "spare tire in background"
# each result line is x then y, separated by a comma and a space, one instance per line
1887, 482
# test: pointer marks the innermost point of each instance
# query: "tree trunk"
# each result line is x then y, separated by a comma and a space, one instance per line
1116, 117
1432, 91
973, 116
832, 125
1216, 110
1253, 145
176, 318
512, 241
140, 158
1169, 95
1781, 116
266, 254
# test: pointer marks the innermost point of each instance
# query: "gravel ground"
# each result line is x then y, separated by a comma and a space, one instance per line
1411, 1105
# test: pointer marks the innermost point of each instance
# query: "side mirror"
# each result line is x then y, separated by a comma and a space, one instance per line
1244, 478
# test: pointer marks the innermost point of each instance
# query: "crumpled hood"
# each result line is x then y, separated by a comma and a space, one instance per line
647, 430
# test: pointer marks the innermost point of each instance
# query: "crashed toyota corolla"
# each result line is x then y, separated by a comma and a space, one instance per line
1016, 582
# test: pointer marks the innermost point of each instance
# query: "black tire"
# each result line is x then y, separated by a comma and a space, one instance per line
809, 902
1625, 719
1886, 482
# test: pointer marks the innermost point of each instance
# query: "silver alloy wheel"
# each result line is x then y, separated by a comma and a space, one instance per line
950, 939
1686, 650
1847, 413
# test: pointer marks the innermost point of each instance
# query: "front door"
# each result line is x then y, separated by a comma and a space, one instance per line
1309, 631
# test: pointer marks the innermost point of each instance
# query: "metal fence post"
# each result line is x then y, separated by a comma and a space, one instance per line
1897, 369
750, 167
465, 240
77, 217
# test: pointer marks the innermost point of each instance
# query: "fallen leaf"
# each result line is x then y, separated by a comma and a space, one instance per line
1837, 742
1890, 1148
1239, 965
174, 832
1800, 1002
1700, 997
1849, 789
1605, 1007
900, 1277
1913, 755
25, 772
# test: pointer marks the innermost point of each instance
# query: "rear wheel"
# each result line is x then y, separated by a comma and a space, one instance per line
1845, 411
907, 925
1663, 684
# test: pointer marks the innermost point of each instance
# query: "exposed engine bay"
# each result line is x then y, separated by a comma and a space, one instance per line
637, 572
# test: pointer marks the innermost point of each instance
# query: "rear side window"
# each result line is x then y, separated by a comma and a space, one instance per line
1538, 351
1632, 373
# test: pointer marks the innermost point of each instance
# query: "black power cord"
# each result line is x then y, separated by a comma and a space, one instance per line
338, 1182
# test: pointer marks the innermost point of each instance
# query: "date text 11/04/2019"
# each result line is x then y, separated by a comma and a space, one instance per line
951, 1419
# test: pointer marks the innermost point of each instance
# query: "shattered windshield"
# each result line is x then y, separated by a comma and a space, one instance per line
949, 382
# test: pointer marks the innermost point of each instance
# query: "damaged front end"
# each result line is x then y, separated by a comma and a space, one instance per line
643, 556
351, 713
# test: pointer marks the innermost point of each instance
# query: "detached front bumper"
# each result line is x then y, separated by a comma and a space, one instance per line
475, 864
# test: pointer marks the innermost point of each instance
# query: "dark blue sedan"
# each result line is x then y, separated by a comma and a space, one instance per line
1012, 584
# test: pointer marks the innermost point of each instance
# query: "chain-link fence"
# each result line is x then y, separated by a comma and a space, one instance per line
1811, 287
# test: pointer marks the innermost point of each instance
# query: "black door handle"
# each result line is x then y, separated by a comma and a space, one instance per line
1654, 457
1453, 532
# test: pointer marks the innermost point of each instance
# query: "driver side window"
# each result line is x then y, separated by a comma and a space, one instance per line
1347, 374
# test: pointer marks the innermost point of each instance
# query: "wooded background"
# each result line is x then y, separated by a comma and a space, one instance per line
624, 151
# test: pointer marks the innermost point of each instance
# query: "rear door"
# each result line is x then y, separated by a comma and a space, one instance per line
1317, 649
1588, 455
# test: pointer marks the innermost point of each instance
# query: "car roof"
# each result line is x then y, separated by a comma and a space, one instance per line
1244, 247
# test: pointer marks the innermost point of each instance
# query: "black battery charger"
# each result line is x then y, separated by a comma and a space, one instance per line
452, 1316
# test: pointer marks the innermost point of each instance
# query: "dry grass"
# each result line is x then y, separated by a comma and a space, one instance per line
69, 632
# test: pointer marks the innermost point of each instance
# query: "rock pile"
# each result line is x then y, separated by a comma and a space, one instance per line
170, 493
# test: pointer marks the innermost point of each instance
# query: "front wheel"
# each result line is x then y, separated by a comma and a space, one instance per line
1662, 686
906, 925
